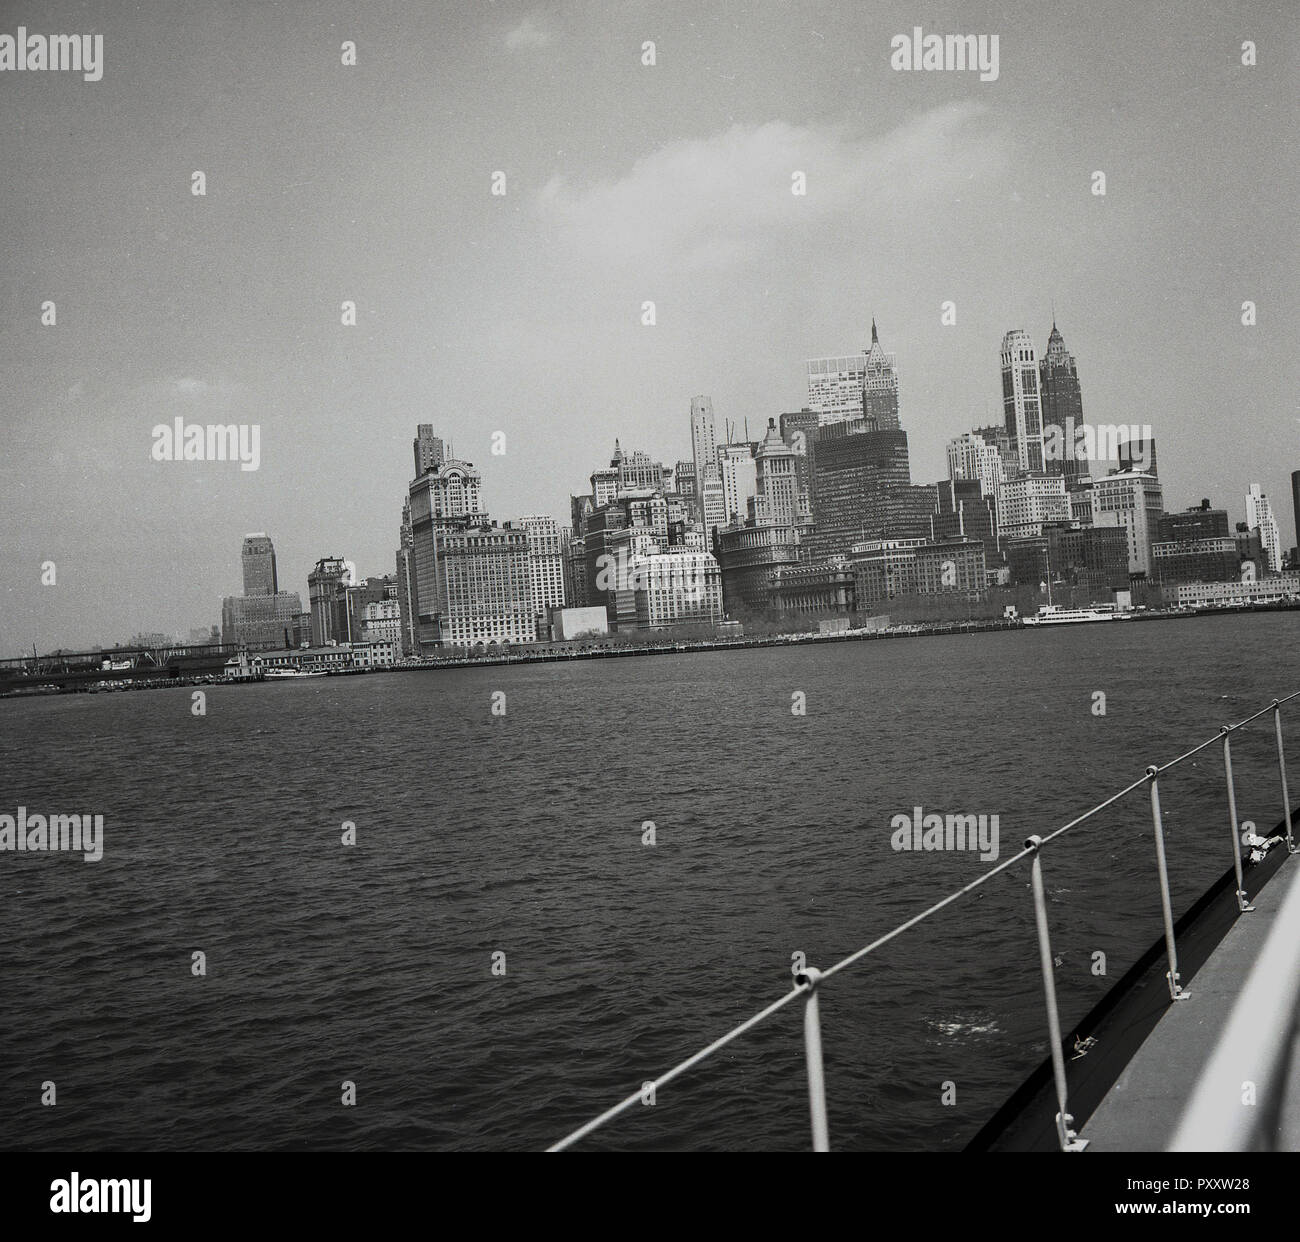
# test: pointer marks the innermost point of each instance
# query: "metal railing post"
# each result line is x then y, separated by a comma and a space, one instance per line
1243, 902
1281, 771
1068, 1139
1166, 908
812, 1036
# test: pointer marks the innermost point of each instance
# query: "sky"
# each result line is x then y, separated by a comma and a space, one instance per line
625, 183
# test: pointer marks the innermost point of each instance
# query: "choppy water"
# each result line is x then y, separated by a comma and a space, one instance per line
522, 834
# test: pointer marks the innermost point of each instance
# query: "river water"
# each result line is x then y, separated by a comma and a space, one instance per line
482, 834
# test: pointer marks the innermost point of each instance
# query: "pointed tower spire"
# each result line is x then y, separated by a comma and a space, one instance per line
875, 340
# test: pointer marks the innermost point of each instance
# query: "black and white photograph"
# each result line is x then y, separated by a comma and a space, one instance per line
615, 576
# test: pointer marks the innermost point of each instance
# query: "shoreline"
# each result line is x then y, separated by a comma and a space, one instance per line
928, 629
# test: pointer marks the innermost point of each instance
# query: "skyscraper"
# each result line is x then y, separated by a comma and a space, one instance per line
1062, 404
739, 481
258, 558
429, 450
263, 616
835, 387
1259, 517
972, 457
407, 601
472, 580
1295, 507
776, 481
704, 440
858, 479
1131, 499
880, 387
799, 431
708, 478
547, 543
327, 592
1021, 401
851, 386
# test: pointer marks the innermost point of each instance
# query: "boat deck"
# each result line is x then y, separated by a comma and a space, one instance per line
1142, 1109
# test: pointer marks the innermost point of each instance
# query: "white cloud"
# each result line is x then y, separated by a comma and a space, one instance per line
527, 34
709, 202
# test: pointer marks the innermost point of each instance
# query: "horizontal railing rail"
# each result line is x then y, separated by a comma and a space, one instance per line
809, 981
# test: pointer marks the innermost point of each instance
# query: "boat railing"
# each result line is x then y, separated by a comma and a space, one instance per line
1268, 999
1238, 1099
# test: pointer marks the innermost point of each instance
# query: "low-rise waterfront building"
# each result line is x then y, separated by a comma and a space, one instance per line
1272, 590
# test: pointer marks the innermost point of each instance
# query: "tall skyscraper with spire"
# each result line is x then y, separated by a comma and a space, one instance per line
1062, 405
1021, 400
844, 389
880, 387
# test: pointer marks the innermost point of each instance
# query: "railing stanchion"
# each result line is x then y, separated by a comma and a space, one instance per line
1243, 902
1281, 771
1166, 908
812, 1035
1068, 1139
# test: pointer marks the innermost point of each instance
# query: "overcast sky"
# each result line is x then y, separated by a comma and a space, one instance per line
625, 184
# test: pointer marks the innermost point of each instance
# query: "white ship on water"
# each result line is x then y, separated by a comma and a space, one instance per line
1053, 614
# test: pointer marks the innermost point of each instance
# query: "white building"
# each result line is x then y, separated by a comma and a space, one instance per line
852, 386
1026, 503
1259, 516
1022, 403
570, 623
739, 480
712, 503
677, 587
1137, 502
972, 457
546, 545
835, 387
776, 483
704, 443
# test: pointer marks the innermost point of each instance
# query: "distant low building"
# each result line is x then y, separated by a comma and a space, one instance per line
950, 565
825, 587
1196, 560
1256, 591
883, 569
568, 624
332, 658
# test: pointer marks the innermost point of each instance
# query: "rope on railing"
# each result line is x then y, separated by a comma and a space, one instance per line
809, 979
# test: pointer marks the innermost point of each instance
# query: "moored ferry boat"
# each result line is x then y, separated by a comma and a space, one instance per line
1052, 614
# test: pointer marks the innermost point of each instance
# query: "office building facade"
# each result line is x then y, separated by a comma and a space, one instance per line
1021, 401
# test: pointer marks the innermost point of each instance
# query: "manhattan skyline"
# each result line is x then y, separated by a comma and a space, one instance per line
522, 313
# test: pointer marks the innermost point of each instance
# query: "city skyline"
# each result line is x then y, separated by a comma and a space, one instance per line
522, 313
430, 450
